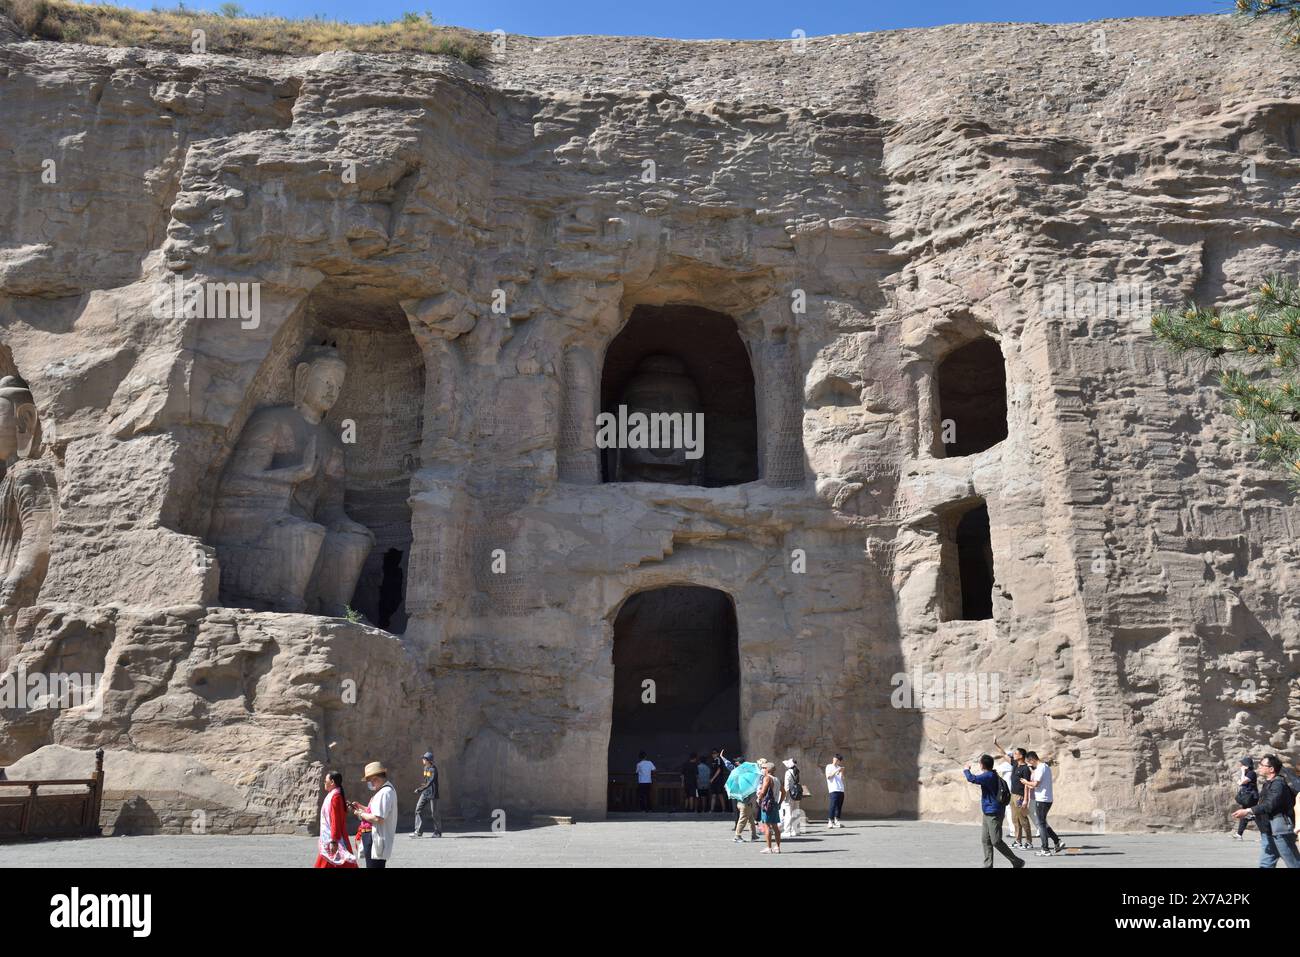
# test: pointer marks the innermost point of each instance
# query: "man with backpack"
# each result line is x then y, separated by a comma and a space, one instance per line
1274, 814
994, 798
792, 817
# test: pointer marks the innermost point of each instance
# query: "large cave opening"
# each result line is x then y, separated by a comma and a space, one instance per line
689, 361
676, 687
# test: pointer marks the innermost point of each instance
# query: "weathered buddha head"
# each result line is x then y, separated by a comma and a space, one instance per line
20, 427
318, 381
660, 384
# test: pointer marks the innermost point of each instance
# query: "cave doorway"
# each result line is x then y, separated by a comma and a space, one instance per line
676, 689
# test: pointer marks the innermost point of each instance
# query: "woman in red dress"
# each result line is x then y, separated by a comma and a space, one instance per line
335, 851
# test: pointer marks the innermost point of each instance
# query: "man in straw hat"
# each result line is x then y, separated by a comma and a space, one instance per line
381, 815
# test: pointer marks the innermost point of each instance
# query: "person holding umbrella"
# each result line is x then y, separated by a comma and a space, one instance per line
741, 786
769, 805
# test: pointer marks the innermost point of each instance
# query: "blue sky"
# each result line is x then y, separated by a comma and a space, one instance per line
699, 19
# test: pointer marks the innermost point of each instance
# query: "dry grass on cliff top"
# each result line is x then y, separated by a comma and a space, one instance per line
235, 33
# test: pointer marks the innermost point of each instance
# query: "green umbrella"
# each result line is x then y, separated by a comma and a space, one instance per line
743, 781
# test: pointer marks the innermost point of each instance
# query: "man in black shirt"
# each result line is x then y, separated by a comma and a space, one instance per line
717, 778
1274, 813
1020, 773
428, 791
689, 785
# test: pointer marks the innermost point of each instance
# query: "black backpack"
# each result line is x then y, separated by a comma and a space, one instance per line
1004, 792
796, 789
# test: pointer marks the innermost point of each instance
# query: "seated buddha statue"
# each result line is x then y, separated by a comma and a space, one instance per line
282, 537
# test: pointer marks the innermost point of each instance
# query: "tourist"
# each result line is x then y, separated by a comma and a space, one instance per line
1041, 780
792, 817
690, 783
334, 848
727, 767
1020, 773
753, 817
1003, 765
717, 782
428, 791
1274, 815
645, 770
746, 816
381, 815
703, 772
727, 762
1247, 793
835, 785
768, 800
991, 804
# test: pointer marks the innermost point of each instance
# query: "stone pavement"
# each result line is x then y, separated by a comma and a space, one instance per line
651, 840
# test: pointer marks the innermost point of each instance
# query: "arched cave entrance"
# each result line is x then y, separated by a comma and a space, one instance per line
967, 566
972, 398
683, 640
683, 359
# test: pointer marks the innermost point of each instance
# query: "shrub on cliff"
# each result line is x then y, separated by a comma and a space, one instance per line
1288, 11
1258, 349
234, 32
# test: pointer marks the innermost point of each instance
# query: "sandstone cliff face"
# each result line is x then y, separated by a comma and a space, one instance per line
917, 190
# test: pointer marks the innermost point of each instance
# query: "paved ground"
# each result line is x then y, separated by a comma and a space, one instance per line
652, 840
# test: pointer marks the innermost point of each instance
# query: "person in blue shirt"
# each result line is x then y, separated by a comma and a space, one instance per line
991, 833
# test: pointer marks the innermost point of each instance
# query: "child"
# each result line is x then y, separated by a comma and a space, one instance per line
1247, 792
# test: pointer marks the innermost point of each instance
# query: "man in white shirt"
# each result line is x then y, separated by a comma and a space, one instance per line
381, 815
1041, 780
645, 770
835, 785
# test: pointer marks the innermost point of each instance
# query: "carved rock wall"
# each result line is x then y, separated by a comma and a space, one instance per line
917, 188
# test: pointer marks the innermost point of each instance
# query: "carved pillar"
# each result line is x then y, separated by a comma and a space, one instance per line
437, 570
577, 457
782, 384
929, 428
